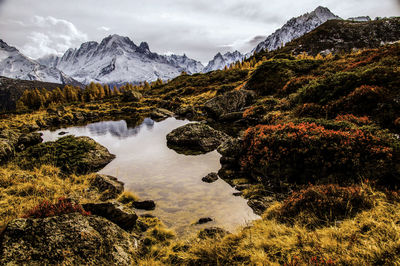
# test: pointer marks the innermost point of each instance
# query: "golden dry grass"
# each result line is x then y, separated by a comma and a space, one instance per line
22, 190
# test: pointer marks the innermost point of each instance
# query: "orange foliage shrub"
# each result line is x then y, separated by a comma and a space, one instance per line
48, 209
306, 152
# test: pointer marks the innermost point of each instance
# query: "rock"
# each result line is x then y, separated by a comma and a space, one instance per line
98, 157
62, 133
195, 137
258, 206
204, 220
231, 147
147, 205
27, 140
79, 155
186, 111
229, 117
210, 178
212, 232
161, 113
122, 216
70, 239
242, 187
109, 186
79, 117
131, 96
229, 102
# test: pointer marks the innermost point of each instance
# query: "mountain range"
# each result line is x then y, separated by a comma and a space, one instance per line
15, 65
117, 59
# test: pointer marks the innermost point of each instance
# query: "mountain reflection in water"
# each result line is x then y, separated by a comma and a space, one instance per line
153, 171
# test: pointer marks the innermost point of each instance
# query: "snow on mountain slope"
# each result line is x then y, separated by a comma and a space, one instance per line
15, 65
220, 61
295, 28
118, 60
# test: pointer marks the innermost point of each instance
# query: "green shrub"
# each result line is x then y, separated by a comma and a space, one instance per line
272, 75
326, 203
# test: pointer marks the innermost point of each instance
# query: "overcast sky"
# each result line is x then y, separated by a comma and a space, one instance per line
199, 28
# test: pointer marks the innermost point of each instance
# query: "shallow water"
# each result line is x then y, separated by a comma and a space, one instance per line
153, 171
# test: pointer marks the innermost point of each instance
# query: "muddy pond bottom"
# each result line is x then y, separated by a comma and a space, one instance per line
153, 171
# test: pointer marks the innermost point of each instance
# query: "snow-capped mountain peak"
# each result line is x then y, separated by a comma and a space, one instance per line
220, 61
14, 64
295, 28
117, 59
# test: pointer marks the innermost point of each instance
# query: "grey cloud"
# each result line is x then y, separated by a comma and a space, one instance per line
198, 28
51, 35
256, 40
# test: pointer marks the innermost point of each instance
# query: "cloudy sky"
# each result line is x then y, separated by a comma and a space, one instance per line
199, 28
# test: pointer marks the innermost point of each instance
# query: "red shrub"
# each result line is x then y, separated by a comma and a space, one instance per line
364, 120
363, 100
304, 152
326, 202
48, 209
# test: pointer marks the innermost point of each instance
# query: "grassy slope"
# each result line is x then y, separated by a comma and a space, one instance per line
299, 93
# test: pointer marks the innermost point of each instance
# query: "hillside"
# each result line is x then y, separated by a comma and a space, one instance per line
336, 36
12, 89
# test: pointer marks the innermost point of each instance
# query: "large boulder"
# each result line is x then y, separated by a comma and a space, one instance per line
195, 137
98, 156
131, 96
70, 239
122, 216
230, 102
109, 186
72, 154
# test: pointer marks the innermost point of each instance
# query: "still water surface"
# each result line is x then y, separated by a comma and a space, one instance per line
153, 171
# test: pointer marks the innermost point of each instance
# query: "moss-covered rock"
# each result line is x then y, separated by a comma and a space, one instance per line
66, 239
72, 154
197, 137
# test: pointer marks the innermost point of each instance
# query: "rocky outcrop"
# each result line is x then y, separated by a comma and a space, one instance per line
108, 186
229, 102
230, 150
79, 155
210, 178
12, 141
161, 113
131, 96
195, 137
71, 239
122, 216
98, 157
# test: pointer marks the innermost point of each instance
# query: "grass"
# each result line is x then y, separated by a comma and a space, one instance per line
371, 237
23, 190
127, 197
